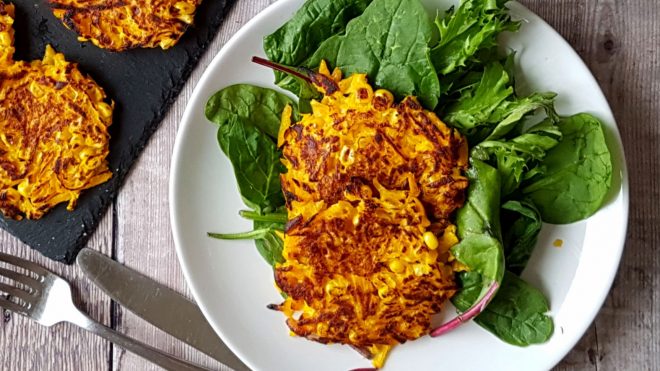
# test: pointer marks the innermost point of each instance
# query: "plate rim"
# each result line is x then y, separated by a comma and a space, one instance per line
186, 122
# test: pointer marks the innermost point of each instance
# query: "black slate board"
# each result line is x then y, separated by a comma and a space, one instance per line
143, 83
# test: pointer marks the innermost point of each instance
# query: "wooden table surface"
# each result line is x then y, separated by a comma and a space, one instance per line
619, 40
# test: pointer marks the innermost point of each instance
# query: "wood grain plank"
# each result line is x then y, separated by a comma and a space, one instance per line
619, 42
626, 61
26, 345
144, 240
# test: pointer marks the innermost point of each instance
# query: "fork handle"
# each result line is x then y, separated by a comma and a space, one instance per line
162, 359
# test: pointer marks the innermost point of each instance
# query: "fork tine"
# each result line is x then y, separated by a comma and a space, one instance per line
10, 305
28, 281
15, 291
23, 264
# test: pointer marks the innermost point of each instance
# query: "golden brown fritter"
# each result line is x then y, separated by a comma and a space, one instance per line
53, 130
370, 187
118, 25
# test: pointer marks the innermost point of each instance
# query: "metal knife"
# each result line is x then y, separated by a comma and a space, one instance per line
157, 304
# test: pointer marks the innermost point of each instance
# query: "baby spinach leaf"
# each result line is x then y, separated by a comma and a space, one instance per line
471, 284
256, 161
478, 225
250, 104
271, 245
389, 42
467, 30
521, 225
577, 173
516, 315
313, 23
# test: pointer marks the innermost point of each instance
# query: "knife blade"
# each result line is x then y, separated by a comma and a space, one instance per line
147, 298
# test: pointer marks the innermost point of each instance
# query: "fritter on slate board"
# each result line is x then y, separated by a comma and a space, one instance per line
370, 186
53, 130
119, 25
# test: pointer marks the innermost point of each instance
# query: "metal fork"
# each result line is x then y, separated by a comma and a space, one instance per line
47, 299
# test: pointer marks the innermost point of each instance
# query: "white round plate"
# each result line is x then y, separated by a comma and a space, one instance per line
233, 284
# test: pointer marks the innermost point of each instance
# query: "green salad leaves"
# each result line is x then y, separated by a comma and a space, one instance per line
516, 315
528, 165
521, 225
478, 223
294, 42
248, 119
467, 31
390, 43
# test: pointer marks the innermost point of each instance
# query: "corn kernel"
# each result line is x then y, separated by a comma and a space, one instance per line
382, 291
5, 39
185, 8
430, 240
36, 90
397, 267
421, 269
449, 238
104, 110
322, 328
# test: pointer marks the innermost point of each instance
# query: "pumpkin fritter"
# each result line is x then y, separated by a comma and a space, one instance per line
53, 130
119, 25
370, 187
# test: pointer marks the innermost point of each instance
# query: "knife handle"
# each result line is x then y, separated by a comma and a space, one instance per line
160, 358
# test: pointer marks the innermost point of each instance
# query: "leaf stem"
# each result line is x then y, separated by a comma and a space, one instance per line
282, 68
268, 217
469, 314
257, 234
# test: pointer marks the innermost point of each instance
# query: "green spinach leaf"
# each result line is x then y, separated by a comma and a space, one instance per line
271, 245
521, 225
478, 225
250, 104
577, 173
256, 161
389, 42
516, 315
466, 31
316, 21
